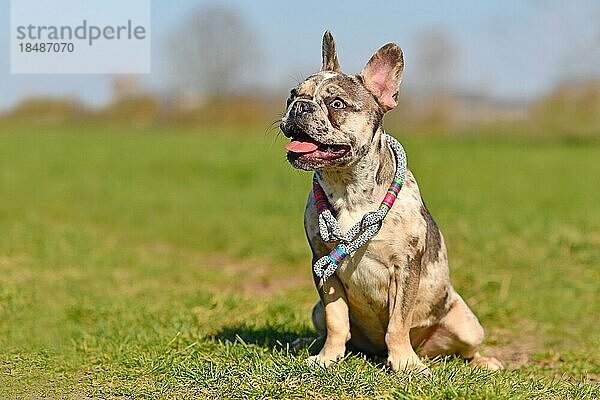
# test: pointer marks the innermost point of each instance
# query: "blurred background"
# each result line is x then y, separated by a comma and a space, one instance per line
147, 222
530, 67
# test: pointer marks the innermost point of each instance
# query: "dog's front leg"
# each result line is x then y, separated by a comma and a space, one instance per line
404, 284
337, 322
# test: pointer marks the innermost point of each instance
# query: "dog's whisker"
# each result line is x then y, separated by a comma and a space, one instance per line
298, 77
272, 126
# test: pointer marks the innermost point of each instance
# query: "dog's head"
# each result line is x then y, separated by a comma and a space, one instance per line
333, 118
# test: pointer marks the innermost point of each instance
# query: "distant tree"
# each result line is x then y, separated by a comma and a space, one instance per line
435, 67
212, 50
436, 61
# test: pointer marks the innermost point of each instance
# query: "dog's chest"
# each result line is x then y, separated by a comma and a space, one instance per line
366, 273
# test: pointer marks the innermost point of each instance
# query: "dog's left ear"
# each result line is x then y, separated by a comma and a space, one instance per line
330, 60
383, 73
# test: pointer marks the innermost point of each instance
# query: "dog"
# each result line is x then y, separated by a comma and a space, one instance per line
392, 296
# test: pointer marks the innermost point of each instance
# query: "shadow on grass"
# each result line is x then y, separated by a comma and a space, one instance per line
278, 338
274, 337
297, 341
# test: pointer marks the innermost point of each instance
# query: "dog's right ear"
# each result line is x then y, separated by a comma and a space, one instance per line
330, 60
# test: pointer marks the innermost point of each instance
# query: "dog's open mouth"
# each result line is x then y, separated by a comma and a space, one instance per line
306, 147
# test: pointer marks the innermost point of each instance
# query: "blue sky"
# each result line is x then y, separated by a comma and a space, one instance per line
508, 49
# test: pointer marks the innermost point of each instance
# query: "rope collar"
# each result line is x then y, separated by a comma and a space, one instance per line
365, 229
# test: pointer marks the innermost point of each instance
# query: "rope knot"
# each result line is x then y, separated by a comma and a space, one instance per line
372, 219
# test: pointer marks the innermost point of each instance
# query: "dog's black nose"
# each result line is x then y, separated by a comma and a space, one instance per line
301, 107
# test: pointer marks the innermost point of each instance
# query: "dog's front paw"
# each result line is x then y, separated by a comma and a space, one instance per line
408, 364
323, 361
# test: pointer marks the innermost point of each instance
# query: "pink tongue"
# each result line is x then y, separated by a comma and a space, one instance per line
301, 147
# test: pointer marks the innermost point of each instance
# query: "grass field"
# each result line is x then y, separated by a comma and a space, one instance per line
173, 264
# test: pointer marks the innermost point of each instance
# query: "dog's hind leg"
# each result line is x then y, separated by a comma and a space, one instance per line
318, 319
458, 332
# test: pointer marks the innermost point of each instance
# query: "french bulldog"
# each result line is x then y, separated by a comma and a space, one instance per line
392, 296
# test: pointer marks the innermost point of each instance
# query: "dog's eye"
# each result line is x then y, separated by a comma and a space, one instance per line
338, 103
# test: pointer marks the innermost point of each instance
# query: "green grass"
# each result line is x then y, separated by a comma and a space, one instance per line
173, 264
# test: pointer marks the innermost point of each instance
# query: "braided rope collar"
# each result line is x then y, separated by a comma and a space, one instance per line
365, 229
